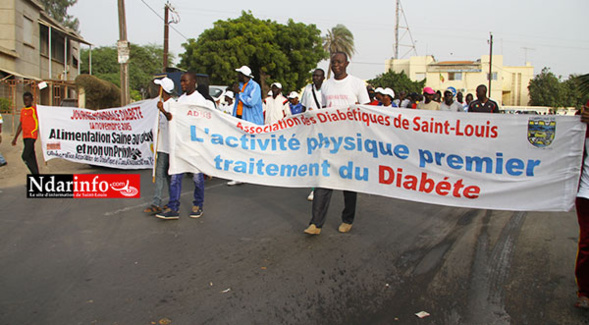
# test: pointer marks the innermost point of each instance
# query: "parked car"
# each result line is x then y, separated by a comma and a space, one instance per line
218, 93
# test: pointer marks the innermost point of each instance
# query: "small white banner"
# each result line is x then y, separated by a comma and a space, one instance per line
489, 161
115, 137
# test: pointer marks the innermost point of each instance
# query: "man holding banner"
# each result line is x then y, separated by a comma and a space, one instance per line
341, 91
162, 150
190, 96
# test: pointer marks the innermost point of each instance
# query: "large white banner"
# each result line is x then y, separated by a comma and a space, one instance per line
494, 161
116, 137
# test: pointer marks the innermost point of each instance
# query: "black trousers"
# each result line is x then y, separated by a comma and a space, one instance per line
29, 157
321, 199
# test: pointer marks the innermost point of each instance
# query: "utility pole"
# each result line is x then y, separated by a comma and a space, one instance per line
123, 53
397, 31
490, 62
166, 35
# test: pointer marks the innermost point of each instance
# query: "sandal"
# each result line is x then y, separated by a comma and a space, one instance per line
582, 302
152, 209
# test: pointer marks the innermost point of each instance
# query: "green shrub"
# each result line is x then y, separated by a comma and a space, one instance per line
5, 105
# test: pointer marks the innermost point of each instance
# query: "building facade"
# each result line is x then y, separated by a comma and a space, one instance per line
35, 48
509, 84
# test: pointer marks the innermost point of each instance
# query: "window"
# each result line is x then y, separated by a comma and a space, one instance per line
28, 31
419, 75
454, 75
43, 39
494, 76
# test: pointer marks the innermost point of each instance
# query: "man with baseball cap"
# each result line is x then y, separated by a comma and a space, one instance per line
295, 106
449, 104
162, 145
275, 105
248, 101
428, 103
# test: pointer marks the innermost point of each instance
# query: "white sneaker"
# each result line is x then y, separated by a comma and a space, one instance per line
310, 197
232, 183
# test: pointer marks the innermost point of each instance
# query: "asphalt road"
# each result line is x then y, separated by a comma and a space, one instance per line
247, 261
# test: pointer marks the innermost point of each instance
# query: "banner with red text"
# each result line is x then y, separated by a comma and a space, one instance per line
494, 161
116, 137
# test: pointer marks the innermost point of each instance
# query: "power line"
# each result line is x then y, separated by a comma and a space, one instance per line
162, 18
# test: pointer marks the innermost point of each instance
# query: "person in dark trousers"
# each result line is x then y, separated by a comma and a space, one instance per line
29, 126
341, 91
582, 205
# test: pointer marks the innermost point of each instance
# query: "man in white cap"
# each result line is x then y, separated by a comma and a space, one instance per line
162, 145
295, 106
388, 95
275, 105
228, 106
248, 101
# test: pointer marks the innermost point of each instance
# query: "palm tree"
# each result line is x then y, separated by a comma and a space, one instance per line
584, 84
338, 39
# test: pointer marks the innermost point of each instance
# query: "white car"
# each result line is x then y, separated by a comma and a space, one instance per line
218, 93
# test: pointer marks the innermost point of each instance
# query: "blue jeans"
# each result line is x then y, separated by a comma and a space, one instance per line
176, 189
2, 160
161, 177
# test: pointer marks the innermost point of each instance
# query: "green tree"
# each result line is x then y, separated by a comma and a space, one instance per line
573, 95
57, 9
338, 39
144, 62
546, 90
397, 82
274, 52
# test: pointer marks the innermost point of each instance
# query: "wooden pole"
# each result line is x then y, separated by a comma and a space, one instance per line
166, 36
490, 63
124, 65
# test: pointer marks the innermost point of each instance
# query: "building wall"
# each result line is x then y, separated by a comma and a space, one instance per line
27, 41
7, 24
508, 87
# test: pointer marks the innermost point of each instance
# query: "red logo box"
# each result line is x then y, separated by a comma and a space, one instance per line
107, 186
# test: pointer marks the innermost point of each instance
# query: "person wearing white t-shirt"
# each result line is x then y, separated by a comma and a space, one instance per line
162, 150
276, 105
190, 96
449, 104
341, 91
311, 97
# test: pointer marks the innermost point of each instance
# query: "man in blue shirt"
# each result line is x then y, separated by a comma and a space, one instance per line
248, 101
295, 106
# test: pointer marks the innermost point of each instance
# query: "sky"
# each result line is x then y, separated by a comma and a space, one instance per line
545, 33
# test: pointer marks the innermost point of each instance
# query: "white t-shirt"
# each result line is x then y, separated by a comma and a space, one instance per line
345, 92
275, 108
455, 107
403, 104
584, 183
194, 98
308, 100
163, 138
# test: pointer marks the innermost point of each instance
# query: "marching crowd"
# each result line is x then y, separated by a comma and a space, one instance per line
244, 101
